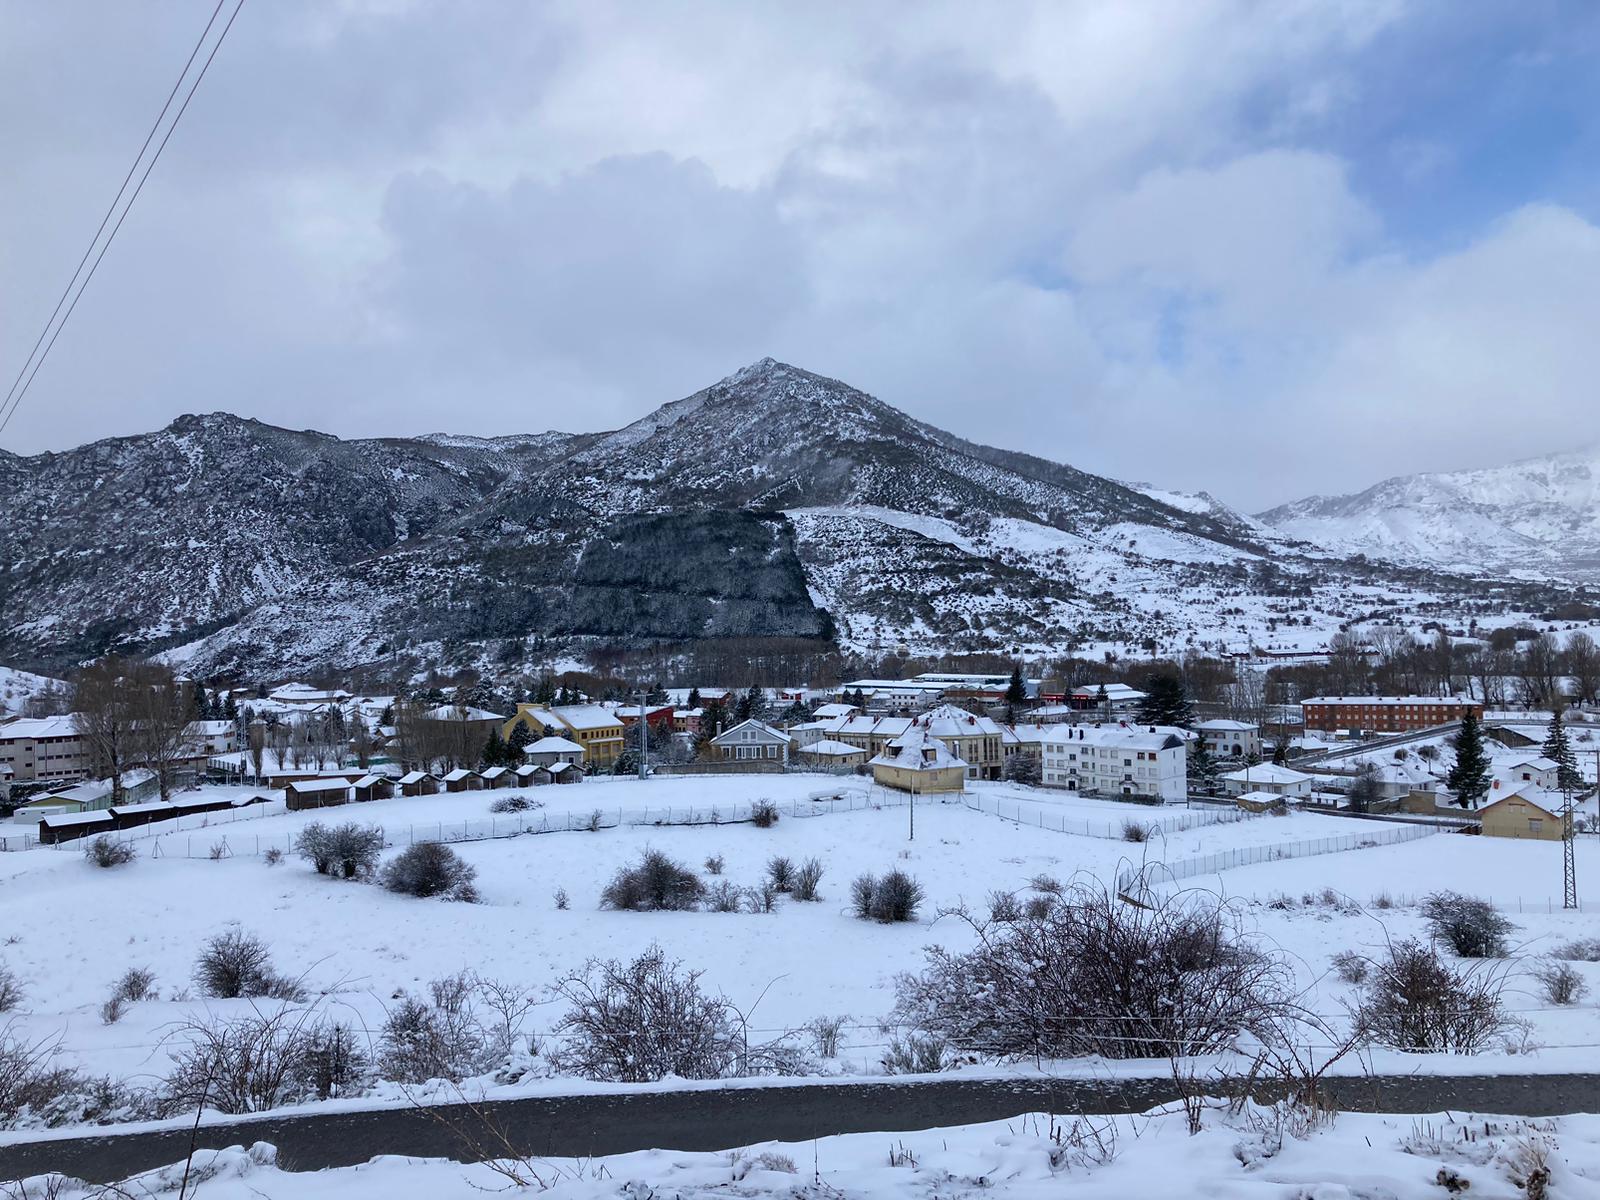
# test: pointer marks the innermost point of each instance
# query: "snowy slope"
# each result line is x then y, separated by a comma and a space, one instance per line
1538, 517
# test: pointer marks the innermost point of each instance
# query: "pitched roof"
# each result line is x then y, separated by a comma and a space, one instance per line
458, 775
829, 748
552, 745
918, 750
1267, 773
760, 726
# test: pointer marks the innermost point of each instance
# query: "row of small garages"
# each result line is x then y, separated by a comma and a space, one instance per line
69, 826
332, 791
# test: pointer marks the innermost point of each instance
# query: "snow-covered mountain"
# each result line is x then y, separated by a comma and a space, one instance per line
1538, 518
774, 504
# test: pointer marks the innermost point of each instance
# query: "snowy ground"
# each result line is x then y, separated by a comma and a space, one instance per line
1239, 1156
70, 929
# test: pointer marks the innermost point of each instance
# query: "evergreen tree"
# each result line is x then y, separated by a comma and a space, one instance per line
521, 735
695, 700
544, 691
1165, 702
1558, 748
757, 702
1103, 700
495, 751
1202, 768
1016, 690
1364, 790
1469, 778
387, 716
202, 703
1280, 752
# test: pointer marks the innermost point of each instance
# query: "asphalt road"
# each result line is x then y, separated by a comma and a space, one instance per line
725, 1117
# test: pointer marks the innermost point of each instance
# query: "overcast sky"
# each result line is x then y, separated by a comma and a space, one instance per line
1264, 249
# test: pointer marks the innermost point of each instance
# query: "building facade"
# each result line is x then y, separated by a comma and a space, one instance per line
1385, 714
753, 740
1115, 760
598, 730
44, 748
1231, 739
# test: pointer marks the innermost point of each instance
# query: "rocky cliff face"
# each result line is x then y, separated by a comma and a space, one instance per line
775, 503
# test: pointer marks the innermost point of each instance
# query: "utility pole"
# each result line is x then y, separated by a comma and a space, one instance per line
644, 740
1569, 864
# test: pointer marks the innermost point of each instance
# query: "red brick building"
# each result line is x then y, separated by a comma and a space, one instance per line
1385, 714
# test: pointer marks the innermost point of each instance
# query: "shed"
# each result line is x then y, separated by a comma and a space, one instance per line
65, 827
530, 774
1517, 816
564, 772
496, 777
418, 783
462, 780
373, 787
131, 816
184, 805
316, 793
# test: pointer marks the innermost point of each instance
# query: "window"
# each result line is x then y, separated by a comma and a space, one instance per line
1535, 824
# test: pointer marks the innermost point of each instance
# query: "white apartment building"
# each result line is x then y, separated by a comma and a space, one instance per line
44, 748
1230, 739
1116, 760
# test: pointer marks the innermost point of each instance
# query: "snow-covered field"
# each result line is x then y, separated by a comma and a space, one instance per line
1034, 1157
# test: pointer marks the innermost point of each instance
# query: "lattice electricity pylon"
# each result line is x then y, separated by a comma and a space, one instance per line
1569, 863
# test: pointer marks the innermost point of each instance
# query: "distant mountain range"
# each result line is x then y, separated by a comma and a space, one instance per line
1539, 518
774, 504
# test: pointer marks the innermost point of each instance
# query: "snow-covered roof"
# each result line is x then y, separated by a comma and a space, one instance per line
918, 750
1267, 773
1404, 772
210, 728
459, 712
553, 745
1536, 762
1226, 726
1386, 701
587, 716
493, 772
411, 777
827, 711
556, 768
367, 781
57, 820
1259, 797
829, 747
39, 727
148, 806
319, 785
527, 769
947, 721
760, 726
1121, 734
458, 775
1113, 691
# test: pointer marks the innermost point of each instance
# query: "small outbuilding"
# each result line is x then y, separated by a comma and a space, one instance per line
496, 777
418, 783
826, 752
531, 774
316, 793
373, 787
1519, 816
462, 780
565, 772
66, 827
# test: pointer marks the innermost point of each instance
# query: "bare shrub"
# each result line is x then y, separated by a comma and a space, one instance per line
348, 851
763, 898
724, 897
763, 814
807, 878
331, 1062
36, 1093
780, 871
220, 851
104, 851
136, 984
1469, 926
1350, 966
513, 803
1416, 1001
643, 1021
509, 1004
895, 897
10, 989
714, 865
1561, 981
1003, 907
1048, 884
825, 1034
241, 1065
916, 1054
1037, 908
111, 1011
1581, 950
655, 883
430, 869
595, 822
235, 964
1383, 901
272, 856
1135, 831
563, 901
438, 1038
1097, 976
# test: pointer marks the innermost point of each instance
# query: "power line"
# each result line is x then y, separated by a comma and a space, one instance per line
15, 397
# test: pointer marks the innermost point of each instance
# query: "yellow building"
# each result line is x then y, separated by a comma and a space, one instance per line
1516, 816
920, 763
598, 730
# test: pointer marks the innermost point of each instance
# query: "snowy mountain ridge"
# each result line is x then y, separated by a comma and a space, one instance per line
1539, 517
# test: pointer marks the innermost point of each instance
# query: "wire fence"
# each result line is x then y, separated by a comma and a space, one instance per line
1145, 817
1155, 874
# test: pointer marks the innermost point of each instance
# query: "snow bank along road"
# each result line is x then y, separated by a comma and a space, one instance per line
717, 1118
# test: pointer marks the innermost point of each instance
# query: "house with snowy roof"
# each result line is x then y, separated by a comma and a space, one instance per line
825, 752
597, 729
920, 763
1268, 777
753, 740
1230, 739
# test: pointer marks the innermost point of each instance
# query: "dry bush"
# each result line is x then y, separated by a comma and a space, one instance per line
563, 901
916, 1054
103, 851
1135, 831
1037, 908
643, 1021
272, 856
763, 898
261, 1061
11, 991
763, 814
348, 851
513, 803
438, 1038
1469, 926
893, 898
1561, 981
1383, 901
1094, 975
1048, 884
235, 964
36, 1094
1416, 1001
1581, 950
807, 878
825, 1034
332, 1062
136, 984
1350, 966
112, 1009
1003, 907
655, 883
780, 871
430, 869
724, 897
714, 865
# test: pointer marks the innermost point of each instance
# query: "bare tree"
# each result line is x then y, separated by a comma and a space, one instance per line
1583, 664
103, 717
256, 736
162, 706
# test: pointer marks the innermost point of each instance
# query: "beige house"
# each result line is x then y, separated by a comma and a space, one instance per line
598, 730
1517, 816
919, 763
979, 741
825, 752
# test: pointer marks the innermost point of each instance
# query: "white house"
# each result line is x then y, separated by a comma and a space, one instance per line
1230, 739
1536, 769
1115, 760
1268, 777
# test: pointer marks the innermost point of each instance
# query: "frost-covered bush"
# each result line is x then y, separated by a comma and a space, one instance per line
235, 964
437, 1038
1003, 907
1350, 966
1561, 981
781, 872
1469, 926
260, 1061
916, 1054
104, 851
348, 851
654, 883
714, 865
1135, 831
10, 989
36, 1093
724, 897
513, 803
807, 880
895, 897
430, 869
1416, 1001
763, 814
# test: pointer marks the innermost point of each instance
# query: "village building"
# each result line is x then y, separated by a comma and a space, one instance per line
549, 750
828, 753
461, 780
418, 783
1268, 777
597, 729
1385, 714
919, 763
1230, 739
1519, 815
1120, 759
753, 740
44, 748
978, 741
1111, 699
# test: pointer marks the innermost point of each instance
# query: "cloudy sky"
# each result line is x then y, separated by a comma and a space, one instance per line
1264, 249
